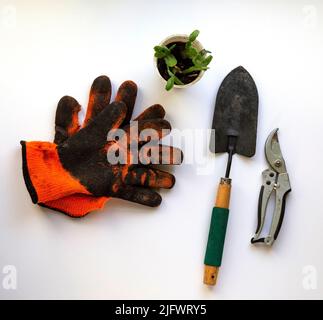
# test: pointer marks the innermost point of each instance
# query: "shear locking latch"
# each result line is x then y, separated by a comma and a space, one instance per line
275, 179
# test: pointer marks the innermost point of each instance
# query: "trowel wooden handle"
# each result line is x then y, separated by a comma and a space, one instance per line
219, 220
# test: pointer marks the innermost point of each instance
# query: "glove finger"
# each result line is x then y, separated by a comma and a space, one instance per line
155, 111
66, 119
94, 135
159, 125
155, 128
160, 154
146, 130
139, 195
150, 177
127, 93
99, 99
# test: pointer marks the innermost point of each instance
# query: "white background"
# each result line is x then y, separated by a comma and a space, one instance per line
52, 48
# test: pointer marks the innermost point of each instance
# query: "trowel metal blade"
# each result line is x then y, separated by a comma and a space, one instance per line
235, 114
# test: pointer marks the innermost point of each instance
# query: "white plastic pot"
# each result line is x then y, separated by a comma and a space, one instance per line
181, 38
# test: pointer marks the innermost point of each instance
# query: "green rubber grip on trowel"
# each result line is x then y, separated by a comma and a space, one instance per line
215, 244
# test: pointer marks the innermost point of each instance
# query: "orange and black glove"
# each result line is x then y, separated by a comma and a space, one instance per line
67, 124
73, 175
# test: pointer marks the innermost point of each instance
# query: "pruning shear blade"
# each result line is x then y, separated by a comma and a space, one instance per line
275, 179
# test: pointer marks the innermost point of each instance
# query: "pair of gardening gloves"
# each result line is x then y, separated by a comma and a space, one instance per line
73, 175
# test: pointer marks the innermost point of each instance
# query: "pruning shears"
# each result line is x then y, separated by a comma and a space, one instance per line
275, 179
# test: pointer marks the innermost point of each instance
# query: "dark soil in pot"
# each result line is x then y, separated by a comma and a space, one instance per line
182, 63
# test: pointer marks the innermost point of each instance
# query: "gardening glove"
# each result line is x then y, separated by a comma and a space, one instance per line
66, 124
77, 168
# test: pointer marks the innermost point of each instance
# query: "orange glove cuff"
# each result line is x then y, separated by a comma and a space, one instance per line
76, 205
44, 175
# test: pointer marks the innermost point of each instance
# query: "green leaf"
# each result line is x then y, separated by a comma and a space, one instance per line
161, 51
170, 60
159, 55
172, 47
170, 83
191, 52
198, 59
206, 61
194, 68
170, 73
190, 69
193, 35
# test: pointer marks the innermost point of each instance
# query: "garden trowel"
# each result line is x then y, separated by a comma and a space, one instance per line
234, 130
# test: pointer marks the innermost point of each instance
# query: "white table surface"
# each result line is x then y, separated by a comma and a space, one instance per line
52, 48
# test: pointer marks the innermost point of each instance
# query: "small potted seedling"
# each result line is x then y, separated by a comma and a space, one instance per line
181, 60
